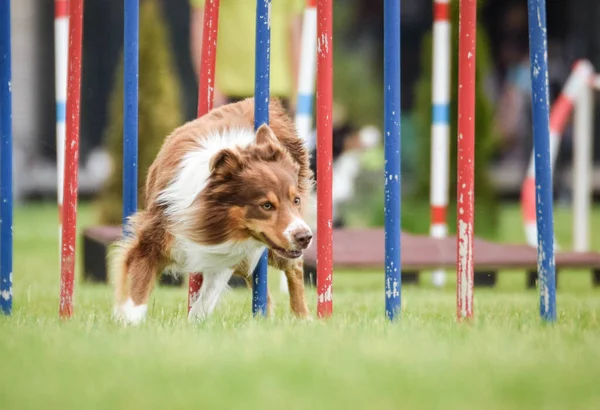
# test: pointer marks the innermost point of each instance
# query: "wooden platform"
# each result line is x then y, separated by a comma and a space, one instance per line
365, 249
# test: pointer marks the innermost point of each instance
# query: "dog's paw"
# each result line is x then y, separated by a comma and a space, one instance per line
130, 314
196, 316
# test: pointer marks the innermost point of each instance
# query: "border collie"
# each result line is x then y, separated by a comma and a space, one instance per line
217, 195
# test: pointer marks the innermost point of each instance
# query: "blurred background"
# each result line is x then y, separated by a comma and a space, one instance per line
168, 96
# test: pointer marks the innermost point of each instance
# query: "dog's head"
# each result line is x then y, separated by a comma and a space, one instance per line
255, 193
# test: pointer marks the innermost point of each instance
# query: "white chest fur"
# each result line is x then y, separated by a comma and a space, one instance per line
189, 256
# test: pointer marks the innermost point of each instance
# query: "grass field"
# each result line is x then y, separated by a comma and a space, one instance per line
505, 359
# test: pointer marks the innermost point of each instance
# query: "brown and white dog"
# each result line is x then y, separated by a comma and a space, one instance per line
217, 195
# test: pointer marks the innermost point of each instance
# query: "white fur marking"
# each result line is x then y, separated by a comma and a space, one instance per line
130, 313
296, 225
190, 256
209, 294
194, 168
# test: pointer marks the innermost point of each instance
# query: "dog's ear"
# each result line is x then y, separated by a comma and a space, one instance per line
265, 135
225, 161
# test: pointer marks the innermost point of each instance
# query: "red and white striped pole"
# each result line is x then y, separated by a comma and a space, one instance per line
559, 117
69, 227
206, 92
324, 160
440, 126
466, 158
61, 58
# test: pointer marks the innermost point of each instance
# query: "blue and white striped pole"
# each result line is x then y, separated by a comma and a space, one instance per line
538, 53
393, 280
306, 84
6, 173
130, 107
307, 72
261, 116
61, 61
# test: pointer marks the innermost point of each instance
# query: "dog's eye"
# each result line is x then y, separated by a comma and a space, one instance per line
267, 206
297, 201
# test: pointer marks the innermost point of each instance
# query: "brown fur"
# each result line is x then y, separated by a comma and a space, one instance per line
228, 208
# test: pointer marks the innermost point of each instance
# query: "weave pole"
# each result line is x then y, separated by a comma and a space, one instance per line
69, 228
307, 70
6, 173
392, 183
261, 116
61, 57
538, 54
131, 64
466, 158
324, 159
306, 84
577, 83
206, 91
583, 133
440, 126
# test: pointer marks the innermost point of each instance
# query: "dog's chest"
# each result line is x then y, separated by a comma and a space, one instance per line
189, 256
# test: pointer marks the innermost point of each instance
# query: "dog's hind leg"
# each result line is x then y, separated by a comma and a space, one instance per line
213, 286
139, 260
142, 269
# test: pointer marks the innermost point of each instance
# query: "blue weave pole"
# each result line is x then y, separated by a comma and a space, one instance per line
6, 188
261, 116
130, 108
538, 54
393, 280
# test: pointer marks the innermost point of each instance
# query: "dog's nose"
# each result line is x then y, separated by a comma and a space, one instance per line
303, 238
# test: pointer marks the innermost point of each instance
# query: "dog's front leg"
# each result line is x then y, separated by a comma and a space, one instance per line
295, 279
212, 288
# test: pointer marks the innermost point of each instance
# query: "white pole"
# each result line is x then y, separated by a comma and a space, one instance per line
582, 167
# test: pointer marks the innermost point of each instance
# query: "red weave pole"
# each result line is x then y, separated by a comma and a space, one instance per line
466, 158
206, 87
206, 91
324, 157
69, 226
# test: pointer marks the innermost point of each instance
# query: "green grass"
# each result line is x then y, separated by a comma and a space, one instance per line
505, 359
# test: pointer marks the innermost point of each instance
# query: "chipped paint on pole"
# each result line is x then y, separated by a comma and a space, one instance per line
466, 158
538, 54
131, 66
560, 114
261, 116
324, 159
392, 179
69, 227
6, 169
